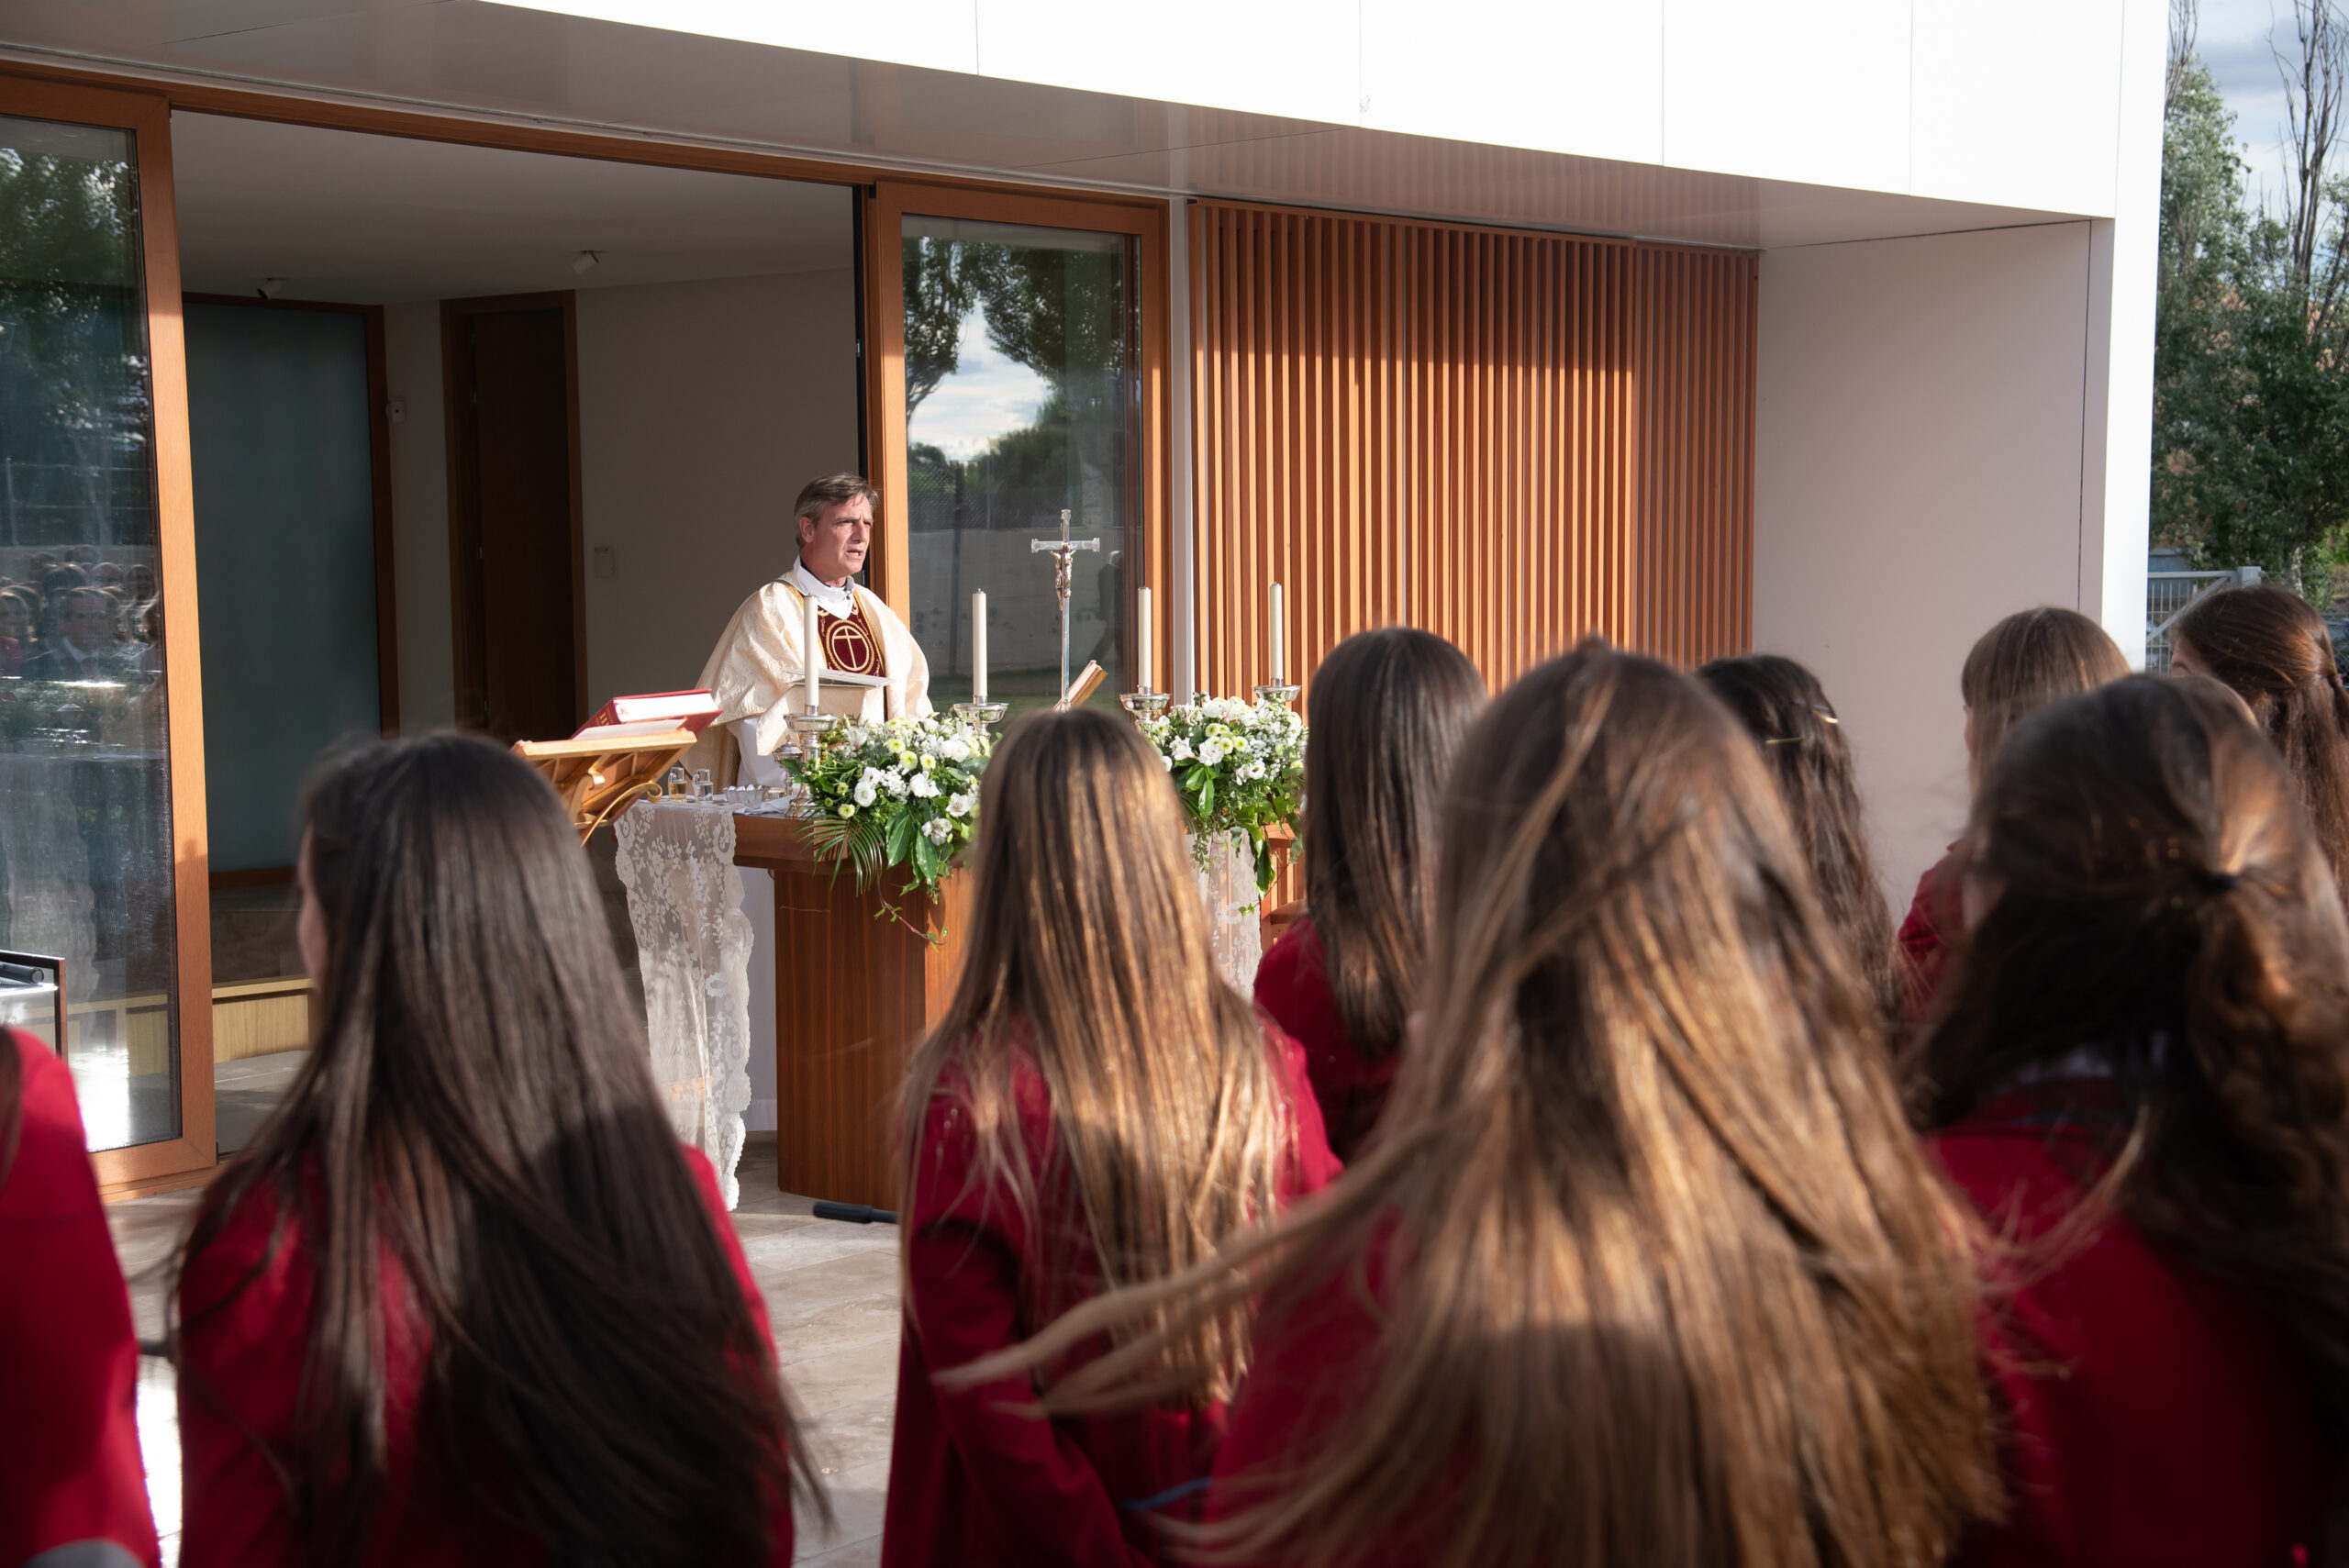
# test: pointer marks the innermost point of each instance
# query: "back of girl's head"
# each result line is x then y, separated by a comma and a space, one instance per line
1648, 1124
479, 1104
1088, 958
2272, 649
1781, 706
2027, 660
2162, 910
1389, 709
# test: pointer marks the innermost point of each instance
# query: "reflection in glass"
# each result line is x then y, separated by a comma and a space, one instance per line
85, 829
1020, 401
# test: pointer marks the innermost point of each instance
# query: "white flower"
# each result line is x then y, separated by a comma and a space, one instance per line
847, 811
960, 805
956, 749
867, 786
894, 782
1180, 753
1167, 762
938, 829
1252, 770
923, 787
1211, 753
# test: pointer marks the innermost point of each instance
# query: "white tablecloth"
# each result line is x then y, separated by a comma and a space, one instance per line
693, 946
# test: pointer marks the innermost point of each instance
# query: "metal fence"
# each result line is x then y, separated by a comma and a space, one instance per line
2167, 596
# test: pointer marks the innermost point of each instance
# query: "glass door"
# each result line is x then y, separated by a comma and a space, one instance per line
93, 850
1019, 382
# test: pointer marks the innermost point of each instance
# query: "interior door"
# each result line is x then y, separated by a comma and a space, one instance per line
514, 515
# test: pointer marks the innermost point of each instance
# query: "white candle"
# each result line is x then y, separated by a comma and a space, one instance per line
979, 646
1276, 635
811, 653
1142, 639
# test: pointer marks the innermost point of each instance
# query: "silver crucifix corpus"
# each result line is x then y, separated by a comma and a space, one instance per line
1061, 550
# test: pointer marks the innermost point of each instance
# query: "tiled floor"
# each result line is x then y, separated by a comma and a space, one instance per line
831, 1290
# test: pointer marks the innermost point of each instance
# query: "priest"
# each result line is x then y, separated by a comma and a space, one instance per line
756, 668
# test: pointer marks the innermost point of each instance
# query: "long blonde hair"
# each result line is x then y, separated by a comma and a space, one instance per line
1667, 1281
1089, 955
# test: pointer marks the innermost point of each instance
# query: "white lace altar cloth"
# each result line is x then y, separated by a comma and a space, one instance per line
693, 944
1228, 888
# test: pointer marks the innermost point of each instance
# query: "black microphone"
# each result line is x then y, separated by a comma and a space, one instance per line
854, 1213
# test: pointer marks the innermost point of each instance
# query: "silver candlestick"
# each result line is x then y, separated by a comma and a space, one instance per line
1275, 692
981, 716
1143, 704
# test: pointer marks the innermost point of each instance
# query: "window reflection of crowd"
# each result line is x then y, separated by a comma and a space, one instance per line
74, 616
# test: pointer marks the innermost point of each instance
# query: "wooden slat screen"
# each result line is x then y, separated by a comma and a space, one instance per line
1508, 437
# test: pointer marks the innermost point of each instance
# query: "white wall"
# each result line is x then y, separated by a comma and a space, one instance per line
1921, 432
703, 408
2009, 101
421, 516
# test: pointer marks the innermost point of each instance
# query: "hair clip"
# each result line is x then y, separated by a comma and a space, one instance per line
1827, 715
1784, 739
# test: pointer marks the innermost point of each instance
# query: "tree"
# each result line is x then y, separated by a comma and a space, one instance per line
2251, 371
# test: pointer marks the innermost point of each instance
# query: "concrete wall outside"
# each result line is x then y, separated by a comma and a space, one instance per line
1921, 435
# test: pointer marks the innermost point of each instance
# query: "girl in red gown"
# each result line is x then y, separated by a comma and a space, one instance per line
1097, 1108
2138, 1075
70, 1467
1644, 1266
1389, 708
2018, 666
465, 1300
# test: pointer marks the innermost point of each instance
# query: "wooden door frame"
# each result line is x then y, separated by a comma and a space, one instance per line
379, 459
190, 1157
466, 633
885, 205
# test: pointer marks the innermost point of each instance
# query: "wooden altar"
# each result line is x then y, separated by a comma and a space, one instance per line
841, 1048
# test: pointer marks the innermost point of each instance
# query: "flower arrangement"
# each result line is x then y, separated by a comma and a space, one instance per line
903, 794
1240, 768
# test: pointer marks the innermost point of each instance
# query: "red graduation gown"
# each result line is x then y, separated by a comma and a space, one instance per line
1293, 988
972, 1484
1933, 918
240, 1371
2157, 1417
70, 1468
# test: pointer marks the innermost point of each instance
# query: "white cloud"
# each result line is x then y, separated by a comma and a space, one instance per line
986, 395
2238, 39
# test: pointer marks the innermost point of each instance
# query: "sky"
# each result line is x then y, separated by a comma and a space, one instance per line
2234, 40
987, 395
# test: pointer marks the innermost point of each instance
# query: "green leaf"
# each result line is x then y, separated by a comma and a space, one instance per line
926, 865
901, 839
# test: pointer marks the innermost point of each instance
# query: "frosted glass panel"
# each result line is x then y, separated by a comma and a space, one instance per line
86, 871
285, 558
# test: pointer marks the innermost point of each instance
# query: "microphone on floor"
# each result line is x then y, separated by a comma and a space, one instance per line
854, 1213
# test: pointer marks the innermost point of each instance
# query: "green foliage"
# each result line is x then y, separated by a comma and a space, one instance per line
901, 796
1239, 768
2251, 398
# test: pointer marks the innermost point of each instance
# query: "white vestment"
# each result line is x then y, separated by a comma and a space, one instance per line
755, 668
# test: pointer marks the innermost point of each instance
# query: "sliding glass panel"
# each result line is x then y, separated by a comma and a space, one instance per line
85, 825
1020, 402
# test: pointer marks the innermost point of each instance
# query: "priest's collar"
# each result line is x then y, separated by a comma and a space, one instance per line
840, 601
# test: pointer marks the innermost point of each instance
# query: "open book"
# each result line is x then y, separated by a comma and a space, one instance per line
656, 713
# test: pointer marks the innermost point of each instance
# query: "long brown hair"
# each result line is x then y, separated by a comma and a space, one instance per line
2031, 659
2165, 911
480, 1106
1089, 954
1389, 709
1670, 1282
2271, 647
1783, 707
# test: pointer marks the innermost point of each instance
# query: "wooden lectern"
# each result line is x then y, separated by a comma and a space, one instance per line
840, 1046
599, 778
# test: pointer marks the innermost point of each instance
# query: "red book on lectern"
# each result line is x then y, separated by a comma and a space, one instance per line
652, 714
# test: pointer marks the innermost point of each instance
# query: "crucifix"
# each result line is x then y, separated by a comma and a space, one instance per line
1063, 551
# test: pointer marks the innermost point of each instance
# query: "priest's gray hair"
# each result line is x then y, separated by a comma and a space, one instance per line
831, 490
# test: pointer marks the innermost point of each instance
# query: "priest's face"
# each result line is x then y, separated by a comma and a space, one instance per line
832, 546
